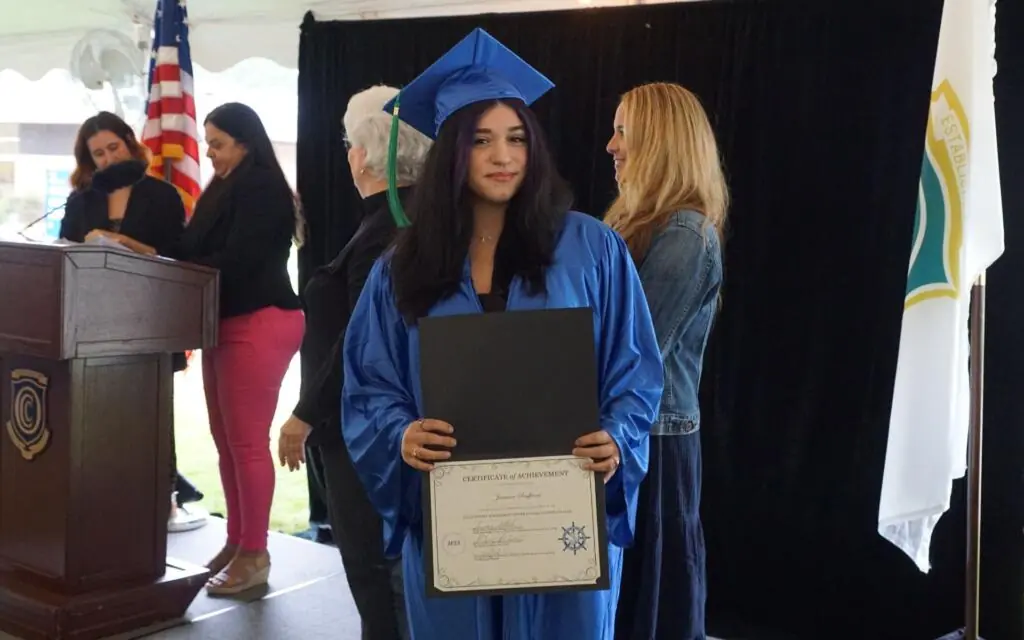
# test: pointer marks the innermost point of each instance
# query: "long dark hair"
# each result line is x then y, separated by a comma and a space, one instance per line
427, 265
85, 166
243, 124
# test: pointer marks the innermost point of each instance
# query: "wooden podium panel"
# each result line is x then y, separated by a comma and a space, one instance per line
63, 302
85, 436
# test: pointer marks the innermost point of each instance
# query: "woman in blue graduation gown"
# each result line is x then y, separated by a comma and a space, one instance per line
492, 231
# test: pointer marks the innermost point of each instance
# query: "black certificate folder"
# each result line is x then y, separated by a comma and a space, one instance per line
515, 385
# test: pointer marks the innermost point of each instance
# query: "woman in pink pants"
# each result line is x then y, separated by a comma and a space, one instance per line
244, 225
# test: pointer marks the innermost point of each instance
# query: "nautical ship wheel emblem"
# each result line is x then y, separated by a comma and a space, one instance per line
574, 538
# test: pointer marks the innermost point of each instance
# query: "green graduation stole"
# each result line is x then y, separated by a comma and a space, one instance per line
394, 203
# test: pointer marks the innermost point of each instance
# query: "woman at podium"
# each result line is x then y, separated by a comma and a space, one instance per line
111, 194
113, 197
244, 225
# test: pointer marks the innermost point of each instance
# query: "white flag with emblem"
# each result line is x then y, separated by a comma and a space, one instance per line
958, 234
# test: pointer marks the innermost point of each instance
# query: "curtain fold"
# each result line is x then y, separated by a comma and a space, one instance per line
820, 109
1003, 444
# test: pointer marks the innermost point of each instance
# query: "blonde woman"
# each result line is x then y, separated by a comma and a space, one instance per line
670, 210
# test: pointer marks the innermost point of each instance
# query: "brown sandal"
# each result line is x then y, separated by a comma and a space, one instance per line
244, 572
222, 559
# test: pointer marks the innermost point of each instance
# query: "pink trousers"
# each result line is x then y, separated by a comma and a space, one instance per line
242, 378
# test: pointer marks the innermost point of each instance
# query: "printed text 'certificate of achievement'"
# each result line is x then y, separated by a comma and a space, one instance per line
514, 523
512, 511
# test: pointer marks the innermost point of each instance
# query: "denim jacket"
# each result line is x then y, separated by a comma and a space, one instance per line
681, 276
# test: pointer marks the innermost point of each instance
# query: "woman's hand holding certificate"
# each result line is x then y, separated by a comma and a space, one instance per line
601, 448
421, 434
424, 433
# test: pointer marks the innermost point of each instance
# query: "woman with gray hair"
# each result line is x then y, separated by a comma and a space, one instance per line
329, 298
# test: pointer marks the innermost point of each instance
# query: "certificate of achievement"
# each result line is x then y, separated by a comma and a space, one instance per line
515, 525
510, 512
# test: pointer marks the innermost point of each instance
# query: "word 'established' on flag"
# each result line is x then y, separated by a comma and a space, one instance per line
958, 234
171, 133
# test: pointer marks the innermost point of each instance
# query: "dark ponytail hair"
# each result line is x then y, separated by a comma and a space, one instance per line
243, 124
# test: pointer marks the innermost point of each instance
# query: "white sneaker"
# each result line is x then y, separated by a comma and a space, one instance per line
187, 518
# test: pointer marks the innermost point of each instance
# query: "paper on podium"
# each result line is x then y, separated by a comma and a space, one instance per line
104, 241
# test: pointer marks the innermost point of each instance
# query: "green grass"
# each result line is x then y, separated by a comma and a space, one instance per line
197, 455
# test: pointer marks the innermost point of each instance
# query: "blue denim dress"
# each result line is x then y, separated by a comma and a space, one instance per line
663, 580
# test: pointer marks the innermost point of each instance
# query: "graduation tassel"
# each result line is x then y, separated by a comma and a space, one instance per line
394, 203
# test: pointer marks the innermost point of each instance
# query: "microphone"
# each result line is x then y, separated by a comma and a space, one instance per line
110, 178
48, 213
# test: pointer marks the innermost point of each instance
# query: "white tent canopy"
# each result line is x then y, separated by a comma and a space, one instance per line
38, 36
58, 98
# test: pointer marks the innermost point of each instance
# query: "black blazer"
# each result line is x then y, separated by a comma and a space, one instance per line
329, 298
243, 227
154, 215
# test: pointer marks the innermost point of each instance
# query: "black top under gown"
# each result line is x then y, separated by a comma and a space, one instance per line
492, 302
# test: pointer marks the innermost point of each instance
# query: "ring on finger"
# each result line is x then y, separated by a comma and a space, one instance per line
416, 453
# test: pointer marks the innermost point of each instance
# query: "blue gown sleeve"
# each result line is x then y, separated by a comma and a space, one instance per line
377, 403
631, 382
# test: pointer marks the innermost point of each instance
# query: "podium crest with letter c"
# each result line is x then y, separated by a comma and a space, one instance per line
28, 426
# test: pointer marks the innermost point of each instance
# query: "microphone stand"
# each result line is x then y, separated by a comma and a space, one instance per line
43, 217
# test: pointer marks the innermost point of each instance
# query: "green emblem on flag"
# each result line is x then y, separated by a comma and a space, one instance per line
938, 221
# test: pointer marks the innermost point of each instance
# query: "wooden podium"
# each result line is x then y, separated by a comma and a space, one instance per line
86, 383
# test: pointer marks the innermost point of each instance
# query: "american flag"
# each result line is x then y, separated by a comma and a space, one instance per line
171, 132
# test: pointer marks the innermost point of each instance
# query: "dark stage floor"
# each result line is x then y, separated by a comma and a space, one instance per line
308, 597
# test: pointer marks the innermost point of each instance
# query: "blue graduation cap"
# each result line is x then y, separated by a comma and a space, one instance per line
478, 68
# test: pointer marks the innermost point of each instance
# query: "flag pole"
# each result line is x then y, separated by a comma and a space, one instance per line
167, 168
972, 572
974, 462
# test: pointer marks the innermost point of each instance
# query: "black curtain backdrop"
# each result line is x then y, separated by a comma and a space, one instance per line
820, 110
1003, 516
